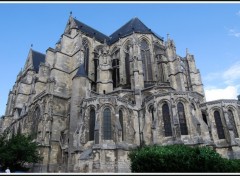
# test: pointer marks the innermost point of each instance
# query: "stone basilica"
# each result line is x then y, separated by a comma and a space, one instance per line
93, 98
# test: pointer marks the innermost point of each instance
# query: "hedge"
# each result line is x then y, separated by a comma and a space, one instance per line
180, 158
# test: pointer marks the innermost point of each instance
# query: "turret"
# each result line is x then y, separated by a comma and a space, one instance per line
175, 73
194, 75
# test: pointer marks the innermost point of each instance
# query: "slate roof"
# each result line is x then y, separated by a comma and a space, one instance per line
91, 32
37, 59
134, 25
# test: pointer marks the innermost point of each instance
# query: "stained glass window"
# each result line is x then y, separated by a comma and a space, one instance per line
167, 120
127, 65
86, 55
107, 128
91, 124
204, 118
121, 122
182, 119
219, 125
147, 66
115, 66
36, 118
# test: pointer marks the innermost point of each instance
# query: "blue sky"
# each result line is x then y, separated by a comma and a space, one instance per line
210, 31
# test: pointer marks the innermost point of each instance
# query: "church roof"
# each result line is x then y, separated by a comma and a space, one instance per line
37, 58
134, 25
91, 32
81, 71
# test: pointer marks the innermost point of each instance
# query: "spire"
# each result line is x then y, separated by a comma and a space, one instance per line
168, 36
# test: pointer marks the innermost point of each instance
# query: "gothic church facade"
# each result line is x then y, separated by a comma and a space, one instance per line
93, 98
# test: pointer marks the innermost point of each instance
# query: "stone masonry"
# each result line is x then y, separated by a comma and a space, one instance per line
93, 98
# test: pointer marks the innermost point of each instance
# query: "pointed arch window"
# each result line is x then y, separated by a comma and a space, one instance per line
121, 122
92, 124
219, 125
182, 119
97, 52
127, 64
204, 118
115, 66
146, 58
151, 111
107, 128
167, 120
36, 119
86, 54
232, 122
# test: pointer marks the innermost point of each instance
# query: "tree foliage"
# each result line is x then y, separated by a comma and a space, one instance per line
180, 158
17, 152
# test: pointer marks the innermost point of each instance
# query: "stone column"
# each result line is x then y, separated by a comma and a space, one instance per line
176, 126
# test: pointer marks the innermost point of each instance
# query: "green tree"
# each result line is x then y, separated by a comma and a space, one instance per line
17, 152
180, 158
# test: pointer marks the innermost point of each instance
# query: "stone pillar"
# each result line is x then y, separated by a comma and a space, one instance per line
171, 54
104, 80
194, 75
79, 91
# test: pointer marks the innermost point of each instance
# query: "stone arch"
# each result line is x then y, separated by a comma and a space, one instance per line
127, 40
99, 48
182, 99
113, 48
144, 37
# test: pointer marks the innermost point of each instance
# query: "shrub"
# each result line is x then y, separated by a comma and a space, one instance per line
180, 158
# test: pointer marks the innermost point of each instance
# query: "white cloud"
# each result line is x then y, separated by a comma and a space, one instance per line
234, 33
232, 74
230, 92
229, 80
